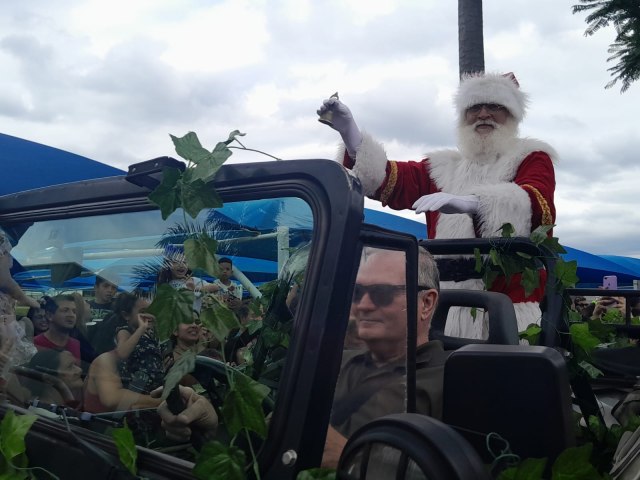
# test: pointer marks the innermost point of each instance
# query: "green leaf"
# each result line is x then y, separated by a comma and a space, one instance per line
233, 135
530, 280
604, 333
495, 257
474, 313
198, 195
272, 337
200, 254
508, 474
209, 165
171, 307
185, 364
13, 431
512, 264
220, 462
582, 337
489, 277
242, 408
219, 320
574, 316
167, 195
526, 256
596, 427
590, 369
507, 230
566, 273
613, 316
539, 235
531, 333
317, 474
553, 244
479, 262
574, 463
528, 469
253, 326
126, 445
189, 147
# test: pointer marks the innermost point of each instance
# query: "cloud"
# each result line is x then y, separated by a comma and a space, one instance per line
87, 78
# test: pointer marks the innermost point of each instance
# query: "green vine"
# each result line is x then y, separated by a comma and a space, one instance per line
14, 463
593, 458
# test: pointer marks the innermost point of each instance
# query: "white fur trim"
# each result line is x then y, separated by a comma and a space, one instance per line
527, 313
490, 88
371, 164
461, 324
503, 203
500, 200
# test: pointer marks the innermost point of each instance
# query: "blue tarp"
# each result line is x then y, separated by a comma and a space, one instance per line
27, 165
591, 268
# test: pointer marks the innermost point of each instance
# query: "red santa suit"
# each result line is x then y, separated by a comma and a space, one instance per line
517, 187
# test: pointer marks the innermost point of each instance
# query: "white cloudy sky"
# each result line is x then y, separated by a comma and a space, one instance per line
111, 79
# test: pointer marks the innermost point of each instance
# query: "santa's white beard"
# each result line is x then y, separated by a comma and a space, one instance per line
489, 147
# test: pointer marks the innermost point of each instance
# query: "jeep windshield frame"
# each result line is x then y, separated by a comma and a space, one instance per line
305, 394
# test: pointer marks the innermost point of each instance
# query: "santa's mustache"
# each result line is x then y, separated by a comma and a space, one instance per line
490, 123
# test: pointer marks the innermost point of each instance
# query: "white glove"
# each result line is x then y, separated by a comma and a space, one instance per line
343, 123
446, 203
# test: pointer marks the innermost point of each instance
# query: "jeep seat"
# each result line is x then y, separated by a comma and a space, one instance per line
503, 326
522, 393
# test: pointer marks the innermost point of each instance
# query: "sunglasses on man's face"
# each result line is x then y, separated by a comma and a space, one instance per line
381, 295
490, 107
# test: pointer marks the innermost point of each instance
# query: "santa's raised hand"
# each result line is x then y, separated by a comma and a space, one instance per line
342, 121
446, 203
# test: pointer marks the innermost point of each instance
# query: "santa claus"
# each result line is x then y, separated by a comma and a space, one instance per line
494, 177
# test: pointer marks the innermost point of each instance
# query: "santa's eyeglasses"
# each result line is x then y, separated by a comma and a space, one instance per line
381, 295
490, 107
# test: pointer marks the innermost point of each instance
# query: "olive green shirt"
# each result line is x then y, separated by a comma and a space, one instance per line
365, 391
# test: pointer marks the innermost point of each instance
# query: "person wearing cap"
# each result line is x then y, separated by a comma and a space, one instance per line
492, 178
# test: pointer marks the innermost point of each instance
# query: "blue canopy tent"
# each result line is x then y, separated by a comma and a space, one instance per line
591, 268
29, 165
629, 263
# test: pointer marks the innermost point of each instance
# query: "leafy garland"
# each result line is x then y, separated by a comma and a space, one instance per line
593, 459
242, 409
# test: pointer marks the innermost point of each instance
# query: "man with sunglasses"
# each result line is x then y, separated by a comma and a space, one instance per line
493, 177
372, 382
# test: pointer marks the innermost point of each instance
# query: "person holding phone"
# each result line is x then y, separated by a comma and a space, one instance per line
607, 303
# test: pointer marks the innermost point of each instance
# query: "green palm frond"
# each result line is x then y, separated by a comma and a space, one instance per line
624, 15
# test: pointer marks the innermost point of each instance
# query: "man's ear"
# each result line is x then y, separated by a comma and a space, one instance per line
427, 305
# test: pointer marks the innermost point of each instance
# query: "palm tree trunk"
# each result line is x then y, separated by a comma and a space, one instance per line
470, 37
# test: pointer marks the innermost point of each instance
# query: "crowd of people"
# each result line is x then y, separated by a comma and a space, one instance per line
98, 354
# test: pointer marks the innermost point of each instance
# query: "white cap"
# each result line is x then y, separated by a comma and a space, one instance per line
502, 89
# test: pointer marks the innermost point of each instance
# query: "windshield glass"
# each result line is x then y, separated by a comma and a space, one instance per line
96, 310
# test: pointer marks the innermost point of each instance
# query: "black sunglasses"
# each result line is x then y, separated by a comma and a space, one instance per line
382, 294
491, 107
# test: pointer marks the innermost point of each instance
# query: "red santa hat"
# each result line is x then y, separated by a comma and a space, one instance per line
502, 89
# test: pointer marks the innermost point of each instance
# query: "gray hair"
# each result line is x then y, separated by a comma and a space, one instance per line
428, 274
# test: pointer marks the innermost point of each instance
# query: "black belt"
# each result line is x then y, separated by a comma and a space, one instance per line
457, 270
